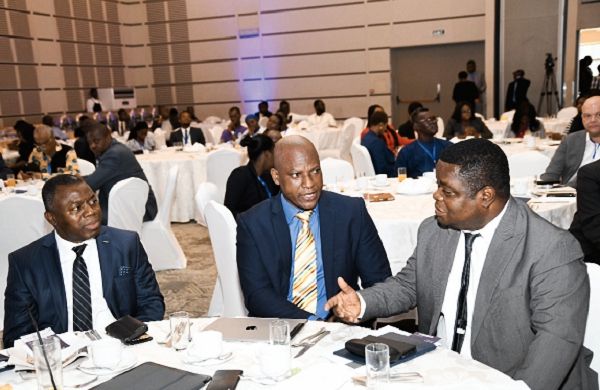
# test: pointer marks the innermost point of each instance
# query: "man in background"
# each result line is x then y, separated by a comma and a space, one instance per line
479, 79
517, 90
321, 118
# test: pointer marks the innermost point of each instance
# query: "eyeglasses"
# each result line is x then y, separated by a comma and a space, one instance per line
588, 117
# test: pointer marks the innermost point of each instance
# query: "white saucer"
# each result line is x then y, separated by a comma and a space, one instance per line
128, 360
380, 185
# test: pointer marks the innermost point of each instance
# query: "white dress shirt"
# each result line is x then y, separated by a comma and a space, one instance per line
445, 328
184, 131
101, 315
323, 120
591, 153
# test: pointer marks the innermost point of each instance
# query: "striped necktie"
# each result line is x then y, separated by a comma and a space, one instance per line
304, 293
82, 298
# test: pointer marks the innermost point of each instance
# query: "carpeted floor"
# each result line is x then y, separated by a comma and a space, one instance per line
190, 289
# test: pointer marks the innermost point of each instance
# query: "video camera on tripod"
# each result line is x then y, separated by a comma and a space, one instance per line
549, 90
549, 63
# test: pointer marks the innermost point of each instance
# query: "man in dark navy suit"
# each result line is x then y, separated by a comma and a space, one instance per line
291, 248
45, 277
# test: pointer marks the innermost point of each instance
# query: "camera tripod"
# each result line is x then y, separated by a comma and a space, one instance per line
549, 91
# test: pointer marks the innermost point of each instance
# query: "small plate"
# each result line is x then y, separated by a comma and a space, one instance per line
128, 360
380, 185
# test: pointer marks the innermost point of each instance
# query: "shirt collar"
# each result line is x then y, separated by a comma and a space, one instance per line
67, 246
290, 210
488, 230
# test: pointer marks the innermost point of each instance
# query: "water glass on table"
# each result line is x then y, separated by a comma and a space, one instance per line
47, 359
377, 356
276, 359
10, 180
401, 173
180, 330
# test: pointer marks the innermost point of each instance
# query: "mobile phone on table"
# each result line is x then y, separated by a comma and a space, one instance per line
225, 380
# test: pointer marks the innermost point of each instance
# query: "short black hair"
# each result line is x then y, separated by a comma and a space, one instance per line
462, 75
48, 120
257, 145
413, 106
416, 112
378, 117
482, 163
52, 185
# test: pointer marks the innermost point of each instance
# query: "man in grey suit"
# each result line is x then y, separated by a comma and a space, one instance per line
579, 148
490, 277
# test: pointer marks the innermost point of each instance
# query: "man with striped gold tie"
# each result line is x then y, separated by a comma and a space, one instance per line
292, 248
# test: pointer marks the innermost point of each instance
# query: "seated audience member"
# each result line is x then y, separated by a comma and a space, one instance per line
586, 223
392, 139
252, 127
525, 122
82, 148
528, 292
115, 162
57, 132
83, 275
185, 134
49, 156
462, 119
422, 155
4, 170
579, 148
576, 123
152, 122
247, 185
93, 104
406, 129
235, 128
192, 112
465, 90
123, 123
139, 139
24, 144
381, 156
263, 110
321, 118
275, 135
275, 122
292, 247
289, 117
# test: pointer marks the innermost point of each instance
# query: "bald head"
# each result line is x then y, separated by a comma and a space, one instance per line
590, 116
298, 144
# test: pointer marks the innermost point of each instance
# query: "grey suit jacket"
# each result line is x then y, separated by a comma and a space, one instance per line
531, 305
567, 159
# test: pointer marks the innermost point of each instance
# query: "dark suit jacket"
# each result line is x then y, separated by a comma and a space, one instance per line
244, 190
116, 164
382, 158
513, 98
350, 246
35, 281
586, 223
82, 148
196, 135
566, 159
465, 91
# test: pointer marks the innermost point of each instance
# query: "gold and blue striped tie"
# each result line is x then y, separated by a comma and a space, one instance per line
304, 292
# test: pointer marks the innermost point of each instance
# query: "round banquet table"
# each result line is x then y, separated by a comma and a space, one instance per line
513, 146
326, 138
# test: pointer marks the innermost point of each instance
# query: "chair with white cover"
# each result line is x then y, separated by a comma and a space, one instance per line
21, 222
507, 116
335, 170
216, 131
567, 113
206, 192
219, 165
160, 138
227, 299
127, 204
527, 164
359, 125
480, 116
346, 137
592, 338
208, 136
212, 119
85, 167
361, 159
163, 249
440, 125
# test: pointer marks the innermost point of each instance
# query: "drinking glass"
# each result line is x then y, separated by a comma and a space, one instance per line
276, 359
377, 356
401, 173
10, 180
180, 330
51, 362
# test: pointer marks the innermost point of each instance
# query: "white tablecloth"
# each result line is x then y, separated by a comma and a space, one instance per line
551, 125
545, 146
316, 369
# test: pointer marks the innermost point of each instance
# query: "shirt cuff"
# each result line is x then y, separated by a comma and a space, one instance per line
314, 318
363, 306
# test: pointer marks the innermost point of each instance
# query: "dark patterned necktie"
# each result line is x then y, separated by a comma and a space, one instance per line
82, 298
460, 325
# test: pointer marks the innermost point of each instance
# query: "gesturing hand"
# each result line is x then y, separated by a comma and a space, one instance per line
346, 304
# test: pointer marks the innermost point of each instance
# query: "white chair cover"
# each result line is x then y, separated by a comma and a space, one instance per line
208, 136
527, 164
127, 204
359, 125
212, 119
219, 165
361, 159
346, 138
507, 116
85, 167
163, 249
478, 115
228, 299
336, 170
160, 138
440, 124
207, 191
216, 131
567, 113
592, 337
21, 222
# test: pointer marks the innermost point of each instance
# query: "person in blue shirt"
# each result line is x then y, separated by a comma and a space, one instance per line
304, 237
381, 156
422, 155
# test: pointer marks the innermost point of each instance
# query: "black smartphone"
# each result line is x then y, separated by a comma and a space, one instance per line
560, 194
225, 380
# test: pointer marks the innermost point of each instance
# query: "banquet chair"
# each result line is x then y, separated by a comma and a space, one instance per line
335, 170
346, 137
21, 222
567, 113
163, 249
507, 116
127, 204
216, 131
591, 339
212, 119
219, 165
361, 159
207, 191
527, 164
85, 167
208, 136
227, 299
358, 123
440, 124
480, 116
160, 138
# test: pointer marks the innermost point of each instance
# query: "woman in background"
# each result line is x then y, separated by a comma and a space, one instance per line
464, 122
139, 139
525, 122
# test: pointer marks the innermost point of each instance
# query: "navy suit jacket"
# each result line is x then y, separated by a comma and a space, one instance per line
35, 281
196, 136
350, 246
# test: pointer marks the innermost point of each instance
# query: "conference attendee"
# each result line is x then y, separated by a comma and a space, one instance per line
123, 123
596, 80
82, 275
140, 139
235, 128
374, 140
391, 137
49, 156
290, 117
321, 118
479, 79
93, 104
464, 90
263, 110
81, 146
171, 122
192, 112
24, 144
252, 126
579, 148
293, 246
517, 90
586, 223
492, 279
525, 122
585, 74
422, 155
406, 129
57, 132
115, 162
186, 134
247, 185
464, 122
4, 170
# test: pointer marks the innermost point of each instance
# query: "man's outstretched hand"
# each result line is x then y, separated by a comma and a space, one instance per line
346, 304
